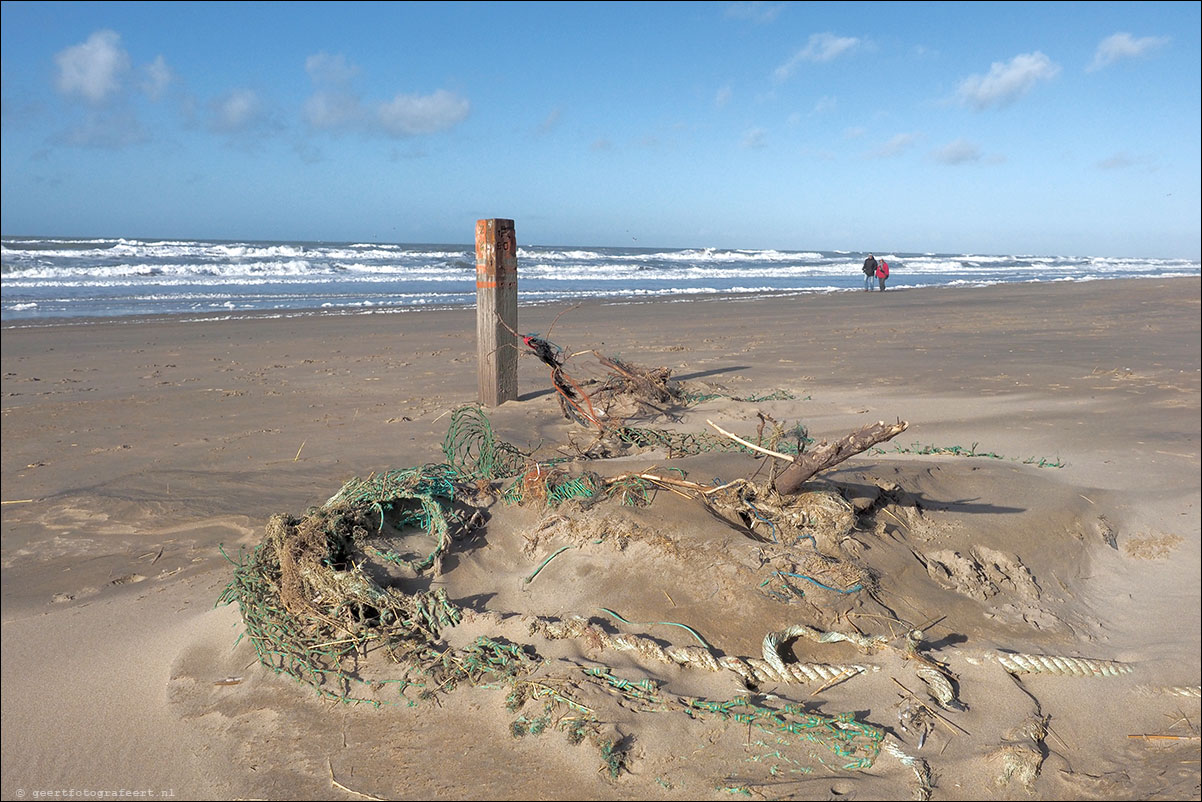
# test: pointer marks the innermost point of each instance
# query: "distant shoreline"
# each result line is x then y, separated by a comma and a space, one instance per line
702, 297
52, 281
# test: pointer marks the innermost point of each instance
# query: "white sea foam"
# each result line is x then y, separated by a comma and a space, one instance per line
47, 277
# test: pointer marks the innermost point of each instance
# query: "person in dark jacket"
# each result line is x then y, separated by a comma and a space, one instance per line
869, 272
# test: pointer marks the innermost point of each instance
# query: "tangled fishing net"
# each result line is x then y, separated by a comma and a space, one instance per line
315, 593
338, 599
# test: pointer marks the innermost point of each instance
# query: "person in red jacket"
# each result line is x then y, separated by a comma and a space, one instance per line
882, 272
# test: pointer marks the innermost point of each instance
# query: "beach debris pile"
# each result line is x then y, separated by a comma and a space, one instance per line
342, 598
346, 585
626, 394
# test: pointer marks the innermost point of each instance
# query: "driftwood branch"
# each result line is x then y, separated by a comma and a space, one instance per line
827, 455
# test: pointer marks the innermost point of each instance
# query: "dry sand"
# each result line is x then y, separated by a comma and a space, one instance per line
132, 450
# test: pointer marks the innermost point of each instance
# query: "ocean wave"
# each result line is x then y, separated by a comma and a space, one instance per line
652, 256
47, 277
214, 251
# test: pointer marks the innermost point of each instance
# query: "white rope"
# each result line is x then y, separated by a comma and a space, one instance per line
1064, 666
752, 671
1188, 691
922, 772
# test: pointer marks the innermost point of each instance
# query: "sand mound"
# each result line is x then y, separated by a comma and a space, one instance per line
850, 630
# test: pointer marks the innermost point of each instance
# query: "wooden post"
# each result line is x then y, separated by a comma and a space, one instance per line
496, 311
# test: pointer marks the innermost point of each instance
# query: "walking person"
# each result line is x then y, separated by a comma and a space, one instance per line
869, 272
882, 273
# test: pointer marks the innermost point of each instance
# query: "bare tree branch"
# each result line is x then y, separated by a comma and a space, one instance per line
827, 455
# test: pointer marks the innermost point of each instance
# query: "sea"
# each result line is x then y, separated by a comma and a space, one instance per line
47, 280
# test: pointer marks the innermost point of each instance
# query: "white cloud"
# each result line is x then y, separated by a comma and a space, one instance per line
92, 70
327, 70
98, 72
960, 151
1121, 46
824, 104
1005, 83
895, 146
237, 111
821, 47
332, 109
1118, 161
336, 105
406, 115
827, 47
110, 128
157, 76
754, 11
550, 121
723, 96
755, 139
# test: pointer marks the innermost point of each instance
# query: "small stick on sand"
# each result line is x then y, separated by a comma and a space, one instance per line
342, 787
557, 317
743, 442
928, 708
1055, 734
1148, 737
345, 640
888, 622
670, 483
298, 451
846, 673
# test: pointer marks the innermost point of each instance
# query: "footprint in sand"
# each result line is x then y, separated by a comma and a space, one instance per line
82, 593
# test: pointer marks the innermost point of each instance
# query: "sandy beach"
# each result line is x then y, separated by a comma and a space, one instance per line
1044, 501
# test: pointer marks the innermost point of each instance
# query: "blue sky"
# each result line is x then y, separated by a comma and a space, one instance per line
1042, 128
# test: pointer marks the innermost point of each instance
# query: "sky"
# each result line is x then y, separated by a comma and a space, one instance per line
991, 128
